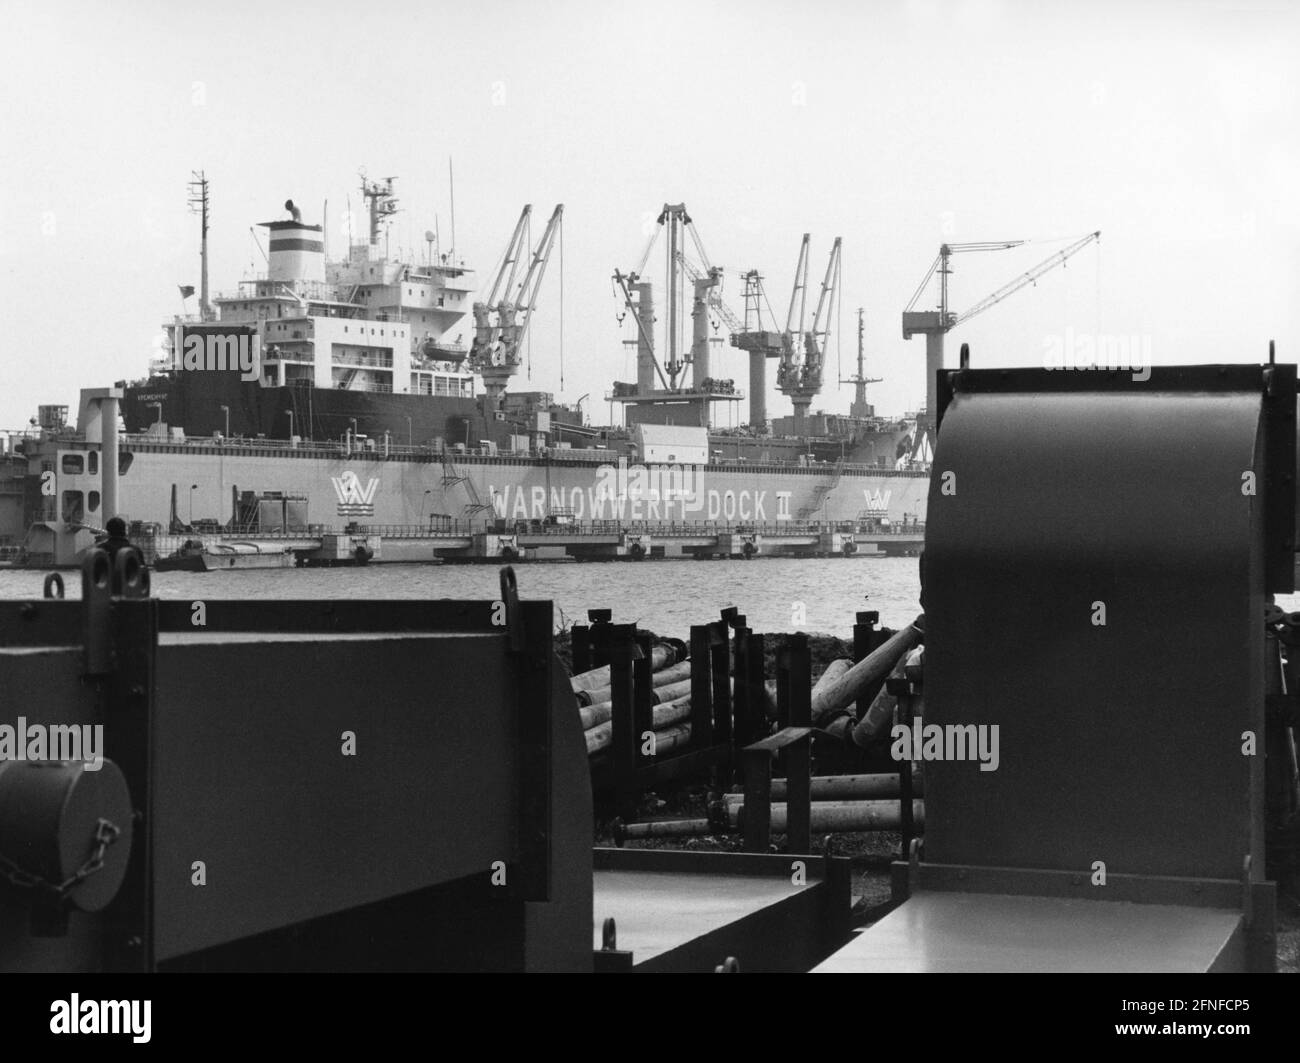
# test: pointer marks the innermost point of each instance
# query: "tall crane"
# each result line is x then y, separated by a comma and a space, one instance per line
638, 298
800, 375
495, 353
934, 325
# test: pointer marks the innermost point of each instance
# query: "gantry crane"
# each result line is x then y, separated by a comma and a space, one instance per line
934, 325
500, 326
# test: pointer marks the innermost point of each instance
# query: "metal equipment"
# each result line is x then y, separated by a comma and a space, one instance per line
314, 785
345, 785
1099, 554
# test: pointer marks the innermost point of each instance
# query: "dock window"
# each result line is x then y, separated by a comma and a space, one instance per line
93, 459
73, 464
92, 501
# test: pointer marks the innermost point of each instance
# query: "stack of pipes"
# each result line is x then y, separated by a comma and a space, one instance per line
671, 698
839, 803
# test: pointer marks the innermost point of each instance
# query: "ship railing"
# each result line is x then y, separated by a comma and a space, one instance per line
705, 528
443, 529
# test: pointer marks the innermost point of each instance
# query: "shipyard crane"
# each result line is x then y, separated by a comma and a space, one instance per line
934, 325
501, 322
638, 298
800, 372
760, 344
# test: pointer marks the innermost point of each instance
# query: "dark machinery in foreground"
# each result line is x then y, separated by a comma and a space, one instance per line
338, 785
1100, 553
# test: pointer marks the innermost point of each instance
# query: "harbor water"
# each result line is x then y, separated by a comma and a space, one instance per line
667, 597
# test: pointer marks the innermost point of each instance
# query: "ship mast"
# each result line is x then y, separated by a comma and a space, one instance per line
381, 204
860, 380
199, 205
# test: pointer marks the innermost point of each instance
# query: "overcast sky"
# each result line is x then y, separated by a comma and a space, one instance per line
1172, 127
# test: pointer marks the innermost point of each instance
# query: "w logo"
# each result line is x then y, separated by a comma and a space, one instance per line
877, 502
355, 501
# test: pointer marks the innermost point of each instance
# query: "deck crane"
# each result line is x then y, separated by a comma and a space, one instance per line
497, 343
934, 325
800, 374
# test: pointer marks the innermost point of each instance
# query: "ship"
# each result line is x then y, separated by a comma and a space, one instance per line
372, 391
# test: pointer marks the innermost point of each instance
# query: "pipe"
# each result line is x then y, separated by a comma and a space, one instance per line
828, 816
665, 716
833, 672
662, 654
666, 689
873, 668
880, 714
662, 828
843, 787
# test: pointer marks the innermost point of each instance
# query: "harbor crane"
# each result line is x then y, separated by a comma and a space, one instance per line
501, 322
638, 297
800, 373
935, 324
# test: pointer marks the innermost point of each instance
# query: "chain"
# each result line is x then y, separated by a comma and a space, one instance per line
106, 833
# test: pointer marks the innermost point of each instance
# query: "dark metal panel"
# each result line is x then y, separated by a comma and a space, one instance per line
44, 687
1113, 746
45, 622
250, 778
556, 929
330, 616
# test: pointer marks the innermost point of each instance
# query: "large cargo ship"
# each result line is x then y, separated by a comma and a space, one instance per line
372, 390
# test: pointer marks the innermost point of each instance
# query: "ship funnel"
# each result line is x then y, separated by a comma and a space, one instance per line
297, 251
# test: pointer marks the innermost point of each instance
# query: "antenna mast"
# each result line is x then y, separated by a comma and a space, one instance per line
860, 380
451, 185
198, 200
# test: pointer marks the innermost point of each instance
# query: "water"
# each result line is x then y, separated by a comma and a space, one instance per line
666, 597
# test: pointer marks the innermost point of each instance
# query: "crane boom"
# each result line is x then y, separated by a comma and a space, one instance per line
1028, 277
511, 260
799, 293
817, 339
525, 301
733, 323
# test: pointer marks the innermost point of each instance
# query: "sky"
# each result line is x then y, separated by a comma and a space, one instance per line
1172, 127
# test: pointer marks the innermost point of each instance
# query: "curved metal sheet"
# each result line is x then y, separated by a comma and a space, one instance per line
1119, 742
